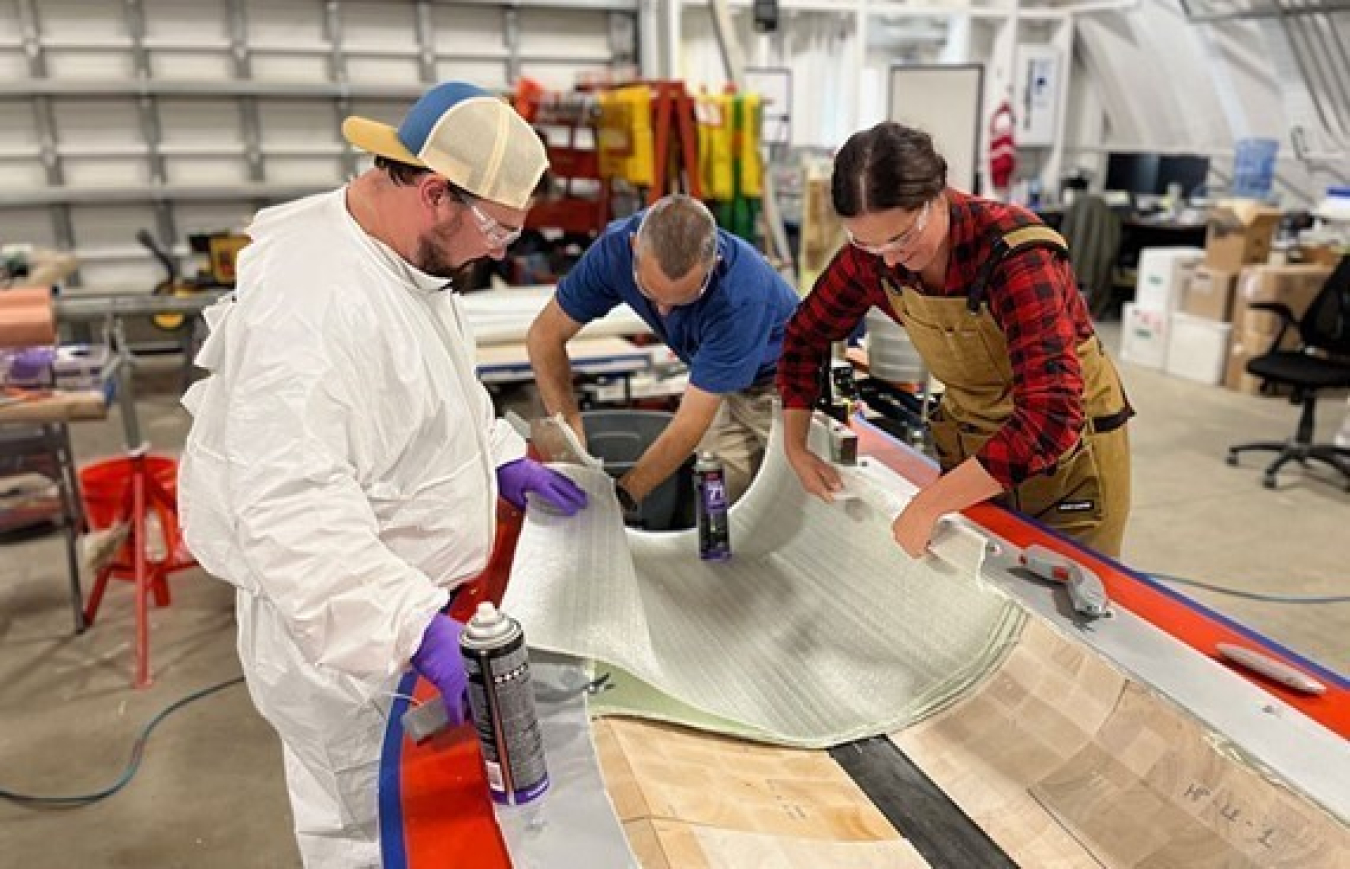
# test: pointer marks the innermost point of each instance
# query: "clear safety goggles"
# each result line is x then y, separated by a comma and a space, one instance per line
492, 229
902, 241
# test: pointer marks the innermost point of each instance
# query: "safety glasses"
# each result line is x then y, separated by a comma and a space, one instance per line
902, 241
497, 234
703, 287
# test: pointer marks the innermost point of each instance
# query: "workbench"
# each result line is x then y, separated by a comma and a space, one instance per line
43, 427
57, 407
510, 363
1121, 739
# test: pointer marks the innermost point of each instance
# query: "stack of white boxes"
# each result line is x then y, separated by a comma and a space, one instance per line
1209, 319
1197, 348
1163, 273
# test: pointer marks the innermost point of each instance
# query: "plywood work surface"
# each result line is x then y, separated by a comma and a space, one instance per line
690, 800
1063, 761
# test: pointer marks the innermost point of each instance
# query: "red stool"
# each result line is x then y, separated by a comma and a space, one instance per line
140, 491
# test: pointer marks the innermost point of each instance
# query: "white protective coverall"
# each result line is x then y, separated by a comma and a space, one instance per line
340, 472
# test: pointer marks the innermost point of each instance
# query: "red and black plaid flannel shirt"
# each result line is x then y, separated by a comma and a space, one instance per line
1033, 298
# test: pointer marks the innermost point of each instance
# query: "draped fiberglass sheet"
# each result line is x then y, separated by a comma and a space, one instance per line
819, 630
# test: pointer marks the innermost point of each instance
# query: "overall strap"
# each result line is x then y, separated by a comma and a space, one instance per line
1019, 239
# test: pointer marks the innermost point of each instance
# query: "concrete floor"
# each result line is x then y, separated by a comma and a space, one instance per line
210, 791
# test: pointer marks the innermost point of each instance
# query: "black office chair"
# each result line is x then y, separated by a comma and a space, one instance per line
1322, 362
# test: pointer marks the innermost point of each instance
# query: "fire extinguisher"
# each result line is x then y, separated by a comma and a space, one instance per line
1002, 147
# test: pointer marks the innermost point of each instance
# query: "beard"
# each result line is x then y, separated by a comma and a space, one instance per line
432, 252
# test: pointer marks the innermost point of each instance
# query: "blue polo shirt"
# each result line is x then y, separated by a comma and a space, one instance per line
730, 338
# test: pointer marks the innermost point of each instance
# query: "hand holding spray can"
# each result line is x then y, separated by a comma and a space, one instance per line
714, 527
502, 697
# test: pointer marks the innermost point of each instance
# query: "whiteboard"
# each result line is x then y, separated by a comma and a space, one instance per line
943, 101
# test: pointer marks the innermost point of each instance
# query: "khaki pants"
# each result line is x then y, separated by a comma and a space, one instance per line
739, 434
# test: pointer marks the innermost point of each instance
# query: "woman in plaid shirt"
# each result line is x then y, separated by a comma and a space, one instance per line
1034, 413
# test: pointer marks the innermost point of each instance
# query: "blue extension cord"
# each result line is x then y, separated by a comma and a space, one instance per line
1252, 595
138, 748
76, 801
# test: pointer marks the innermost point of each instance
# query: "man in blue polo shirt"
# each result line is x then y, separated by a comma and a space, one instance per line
713, 299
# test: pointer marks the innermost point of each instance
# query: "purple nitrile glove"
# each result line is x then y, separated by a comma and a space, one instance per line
517, 478
439, 661
30, 366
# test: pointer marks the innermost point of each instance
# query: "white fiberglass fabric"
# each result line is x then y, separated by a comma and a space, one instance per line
819, 630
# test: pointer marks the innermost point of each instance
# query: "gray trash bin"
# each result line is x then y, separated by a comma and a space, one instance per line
619, 438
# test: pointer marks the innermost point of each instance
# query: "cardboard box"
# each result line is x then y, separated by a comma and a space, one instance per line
1321, 255
1295, 286
1243, 347
1235, 375
1197, 348
1209, 294
821, 232
1143, 336
1240, 233
1163, 273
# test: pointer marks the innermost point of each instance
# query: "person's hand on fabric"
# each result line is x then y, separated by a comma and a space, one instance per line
818, 477
968, 483
516, 479
439, 661
913, 528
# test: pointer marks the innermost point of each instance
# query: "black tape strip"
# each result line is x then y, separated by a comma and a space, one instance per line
937, 828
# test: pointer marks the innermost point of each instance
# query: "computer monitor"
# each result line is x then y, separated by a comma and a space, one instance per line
1137, 173
1150, 174
1188, 170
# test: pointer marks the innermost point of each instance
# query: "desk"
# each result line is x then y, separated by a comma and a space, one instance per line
510, 363
502, 364
1106, 747
504, 316
1139, 233
57, 407
41, 435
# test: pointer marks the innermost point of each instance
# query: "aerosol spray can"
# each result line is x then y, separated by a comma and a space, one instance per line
502, 697
714, 529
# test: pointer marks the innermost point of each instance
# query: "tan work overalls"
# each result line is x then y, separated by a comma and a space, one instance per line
1086, 493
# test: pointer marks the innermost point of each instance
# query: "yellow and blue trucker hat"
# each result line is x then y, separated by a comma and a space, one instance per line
472, 138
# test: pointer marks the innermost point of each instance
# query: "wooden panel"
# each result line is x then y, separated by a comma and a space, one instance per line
769, 806
622, 785
646, 844
939, 831
1063, 761
758, 788
58, 407
732, 849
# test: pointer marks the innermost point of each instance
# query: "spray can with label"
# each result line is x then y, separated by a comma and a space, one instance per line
502, 697
714, 528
